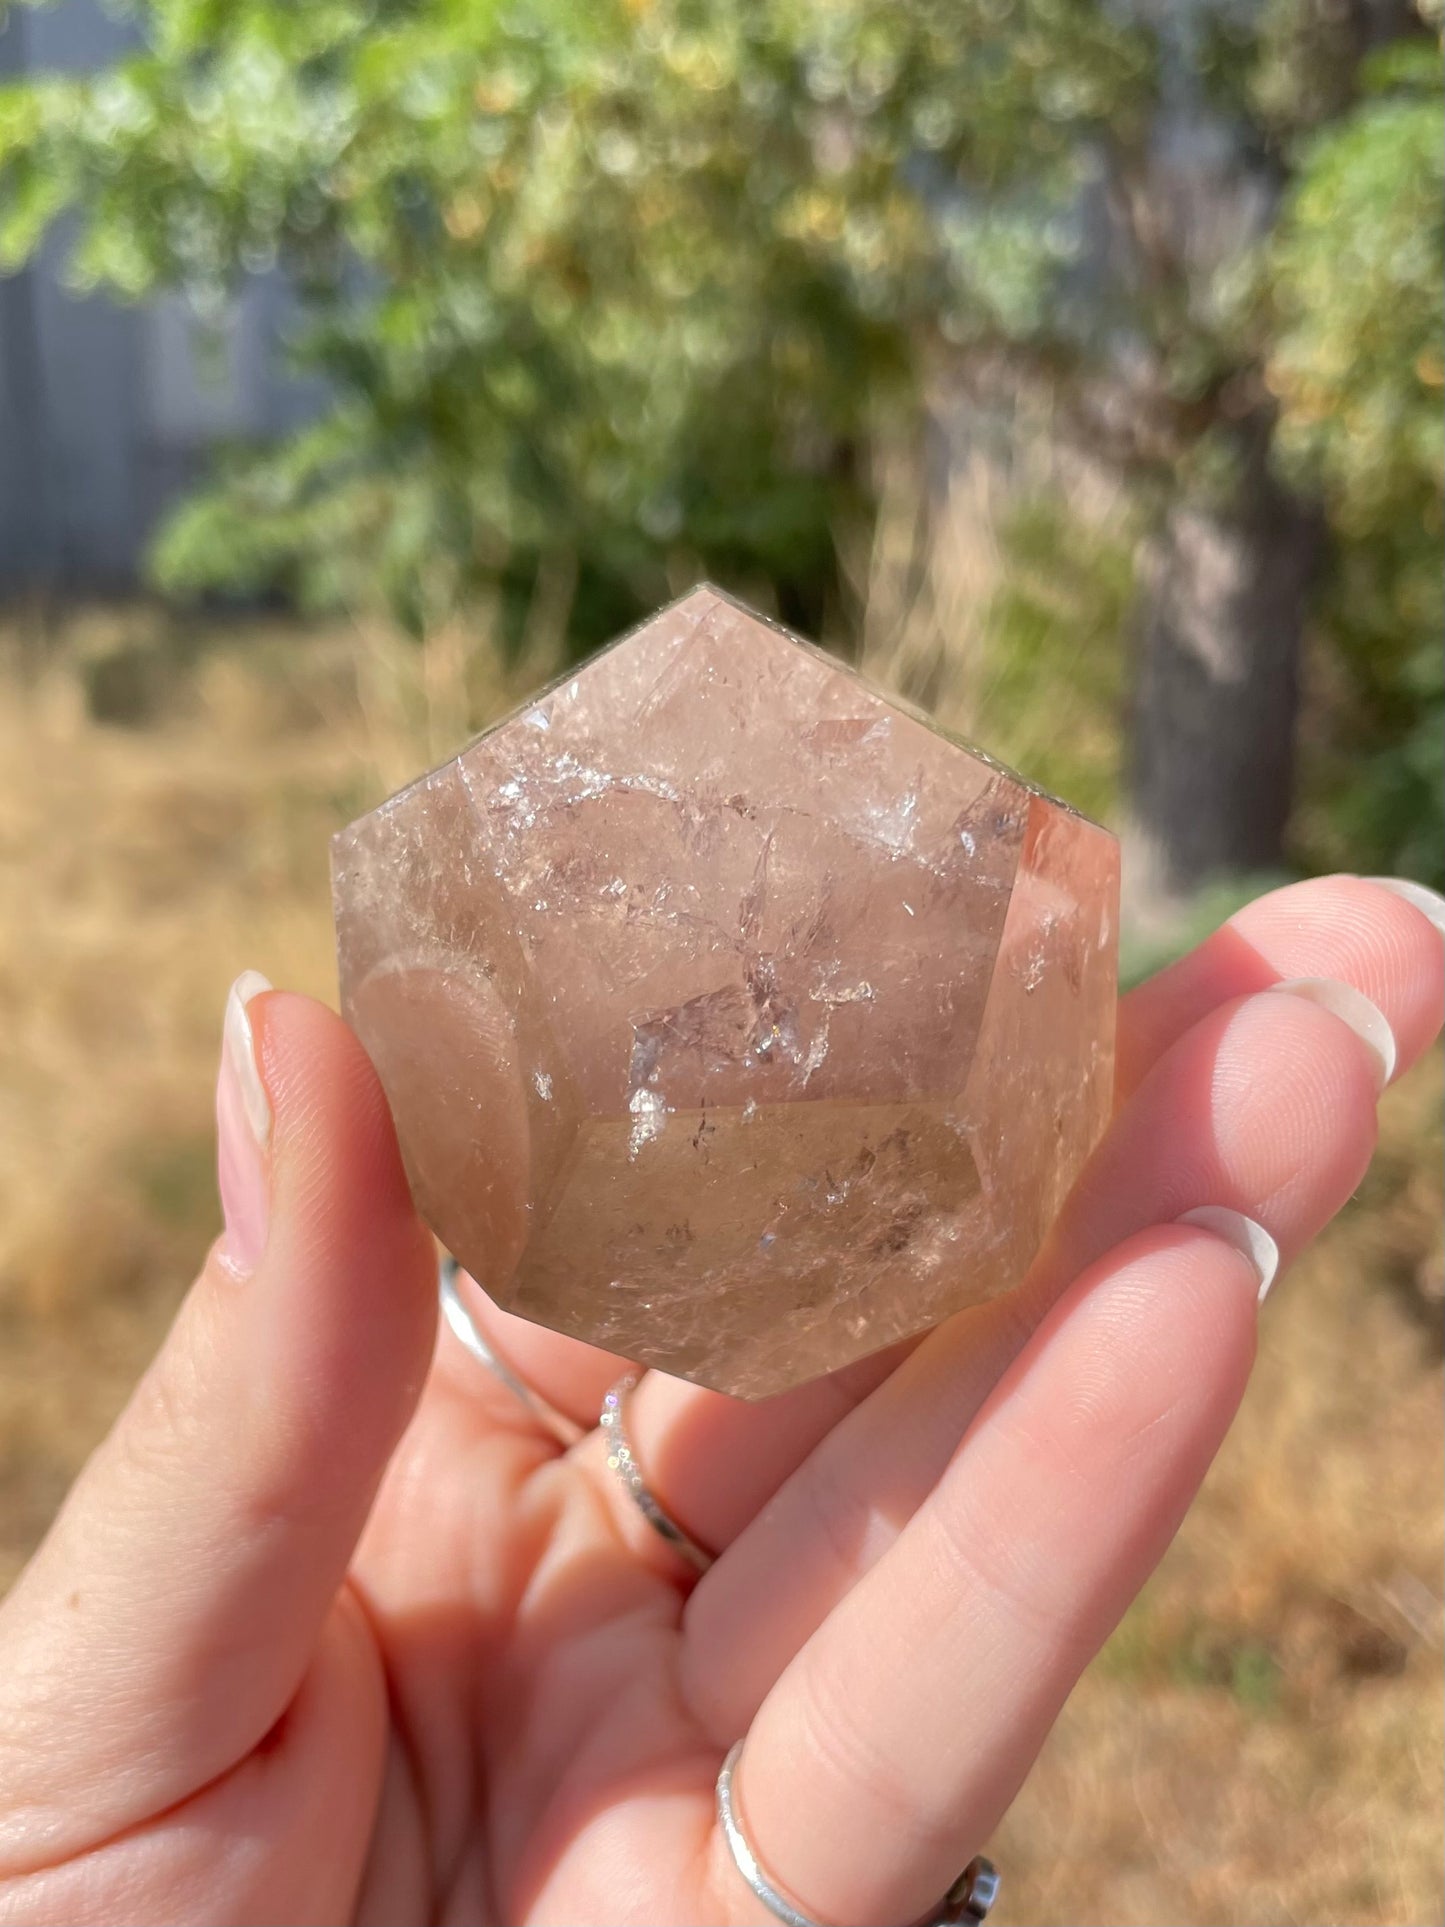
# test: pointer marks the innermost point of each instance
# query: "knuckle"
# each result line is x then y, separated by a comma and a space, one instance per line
838, 1512
1004, 1575
165, 1420
838, 1737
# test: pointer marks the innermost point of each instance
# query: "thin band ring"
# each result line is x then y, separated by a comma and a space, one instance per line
623, 1461
464, 1327
968, 1899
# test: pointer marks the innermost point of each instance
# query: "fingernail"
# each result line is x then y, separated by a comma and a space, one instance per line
1429, 903
243, 1129
1247, 1237
1354, 1008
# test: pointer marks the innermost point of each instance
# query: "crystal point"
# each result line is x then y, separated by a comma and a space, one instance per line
733, 1018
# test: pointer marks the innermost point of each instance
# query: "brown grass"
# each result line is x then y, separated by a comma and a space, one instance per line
1262, 1740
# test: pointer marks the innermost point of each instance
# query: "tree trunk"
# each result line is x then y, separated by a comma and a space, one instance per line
1226, 586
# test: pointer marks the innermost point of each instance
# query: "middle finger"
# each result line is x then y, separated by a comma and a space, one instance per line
1266, 1108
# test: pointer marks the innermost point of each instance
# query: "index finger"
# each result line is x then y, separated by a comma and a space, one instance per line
1367, 932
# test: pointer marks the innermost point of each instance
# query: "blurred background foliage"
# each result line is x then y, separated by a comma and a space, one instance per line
607, 297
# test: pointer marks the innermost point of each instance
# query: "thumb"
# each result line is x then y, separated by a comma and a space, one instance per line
170, 1616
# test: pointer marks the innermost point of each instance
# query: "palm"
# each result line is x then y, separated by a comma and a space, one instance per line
538, 1736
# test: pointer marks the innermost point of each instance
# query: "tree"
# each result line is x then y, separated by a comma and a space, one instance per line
1358, 365
612, 296
631, 285
1224, 219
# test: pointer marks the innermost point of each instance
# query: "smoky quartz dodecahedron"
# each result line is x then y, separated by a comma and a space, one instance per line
733, 1018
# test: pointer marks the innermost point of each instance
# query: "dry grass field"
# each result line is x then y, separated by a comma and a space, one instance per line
1261, 1742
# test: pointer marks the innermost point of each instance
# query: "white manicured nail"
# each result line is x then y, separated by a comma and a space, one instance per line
1354, 1008
1247, 1237
240, 1050
1429, 903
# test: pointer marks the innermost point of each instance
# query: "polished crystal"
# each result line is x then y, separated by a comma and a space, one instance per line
733, 1018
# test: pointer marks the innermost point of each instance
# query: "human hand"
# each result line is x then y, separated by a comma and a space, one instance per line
330, 1628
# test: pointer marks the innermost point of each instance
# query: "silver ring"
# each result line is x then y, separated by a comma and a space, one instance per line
968, 1899
464, 1327
623, 1461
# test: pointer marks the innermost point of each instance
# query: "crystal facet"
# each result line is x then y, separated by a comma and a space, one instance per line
733, 1018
